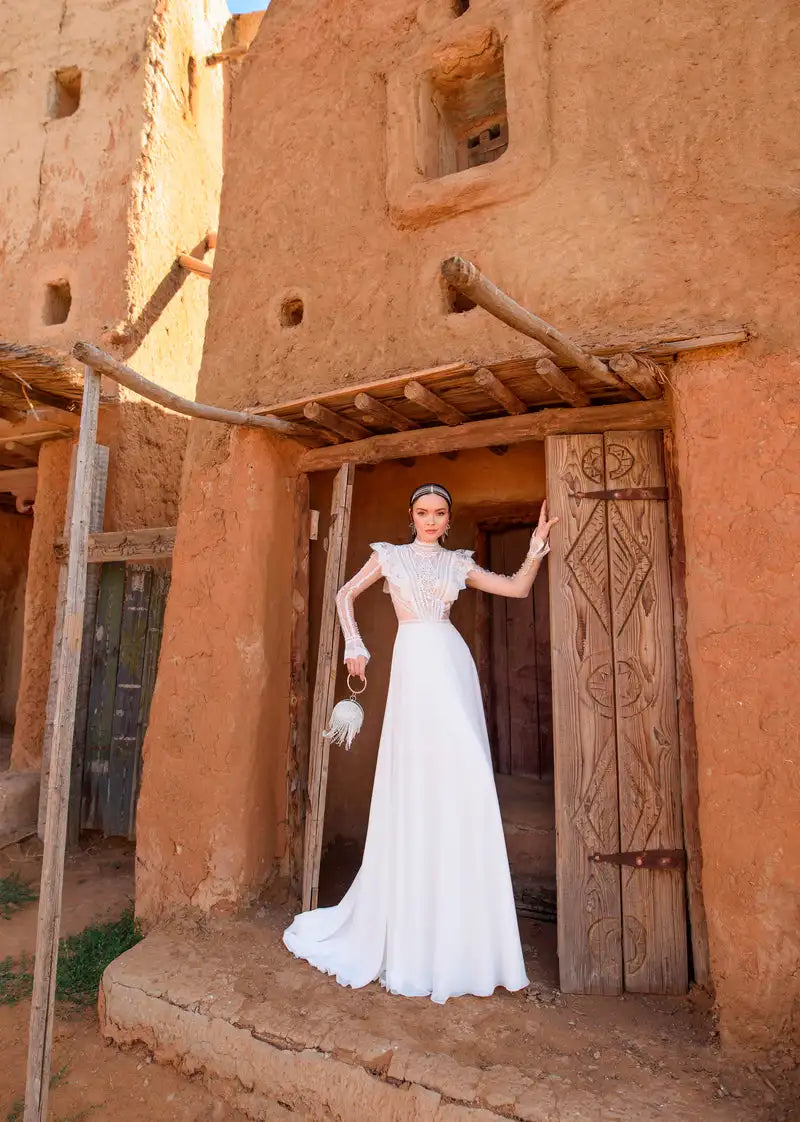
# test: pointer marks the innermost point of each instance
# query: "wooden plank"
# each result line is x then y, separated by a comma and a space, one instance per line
544, 686
648, 759
159, 590
327, 666
501, 708
297, 770
561, 383
589, 935
52, 880
498, 430
156, 544
127, 698
382, 414
339, 426
105, 655
687, 732
435, 404
87, 644
499, 391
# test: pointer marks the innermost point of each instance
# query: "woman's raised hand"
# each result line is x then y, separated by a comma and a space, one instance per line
543, 528
357, 667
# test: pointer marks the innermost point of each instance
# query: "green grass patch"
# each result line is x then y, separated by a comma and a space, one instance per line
81, 961
83, 958
14, 894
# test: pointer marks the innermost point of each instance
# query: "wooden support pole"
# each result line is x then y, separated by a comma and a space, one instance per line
325, 681
227, 55
40, 1040
383, 414
195, 265
333, 422
500, 392
440, 408
104, 364
464, 276
496, 430
640, 372
561, 383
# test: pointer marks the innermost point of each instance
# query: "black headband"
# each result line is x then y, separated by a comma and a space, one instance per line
432, 489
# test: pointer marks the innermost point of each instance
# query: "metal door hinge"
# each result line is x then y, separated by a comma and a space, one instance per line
624, 494
645, 858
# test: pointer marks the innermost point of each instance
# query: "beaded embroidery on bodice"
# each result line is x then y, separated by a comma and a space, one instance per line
423, 579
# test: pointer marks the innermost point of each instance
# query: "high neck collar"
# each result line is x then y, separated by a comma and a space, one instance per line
425, 547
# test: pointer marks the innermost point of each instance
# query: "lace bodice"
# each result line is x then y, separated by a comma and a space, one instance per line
422, 579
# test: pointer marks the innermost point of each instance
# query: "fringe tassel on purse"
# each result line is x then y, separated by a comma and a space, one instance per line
346, 719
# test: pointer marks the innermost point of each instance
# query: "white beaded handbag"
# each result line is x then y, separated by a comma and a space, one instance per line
347, 718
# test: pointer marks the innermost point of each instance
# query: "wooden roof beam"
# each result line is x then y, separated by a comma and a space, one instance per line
382, 414
467, 278
340, 426
440, 408
495, 431
561, 383
500, 392
640, 372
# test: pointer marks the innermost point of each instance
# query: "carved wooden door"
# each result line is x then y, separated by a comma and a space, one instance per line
617, 767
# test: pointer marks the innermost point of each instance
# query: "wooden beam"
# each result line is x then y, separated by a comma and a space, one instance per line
333, 422
21, 482
195, 265
40, 1039
641, 373
325, 680
687, 732
211, 239
119, 372
662, 348
440, 408
47, 424
561, 383
468, 279
383, 414
125, 545
227, 55
500, 392
497, 430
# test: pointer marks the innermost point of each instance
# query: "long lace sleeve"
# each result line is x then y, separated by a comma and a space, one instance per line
518, 585
367, 575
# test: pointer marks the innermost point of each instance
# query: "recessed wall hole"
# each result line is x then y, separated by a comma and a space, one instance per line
292, 312
57, 302
466, 123
191, 78
65, 92
459, 7
456, 301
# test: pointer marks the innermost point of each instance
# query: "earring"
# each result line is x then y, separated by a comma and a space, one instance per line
413, 529
446, 531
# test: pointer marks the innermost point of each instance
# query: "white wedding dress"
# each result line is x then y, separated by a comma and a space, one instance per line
431, 910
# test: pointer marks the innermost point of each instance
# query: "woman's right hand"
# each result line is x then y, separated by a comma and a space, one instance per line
357, 667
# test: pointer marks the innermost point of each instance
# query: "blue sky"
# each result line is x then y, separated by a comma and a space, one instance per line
247, 5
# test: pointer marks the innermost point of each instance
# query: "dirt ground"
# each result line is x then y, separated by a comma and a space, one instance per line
93, 1081
659, 1051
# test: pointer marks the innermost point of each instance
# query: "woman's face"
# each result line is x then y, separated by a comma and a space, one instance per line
430, 515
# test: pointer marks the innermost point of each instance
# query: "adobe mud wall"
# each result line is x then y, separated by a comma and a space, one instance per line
15, 535
656, 193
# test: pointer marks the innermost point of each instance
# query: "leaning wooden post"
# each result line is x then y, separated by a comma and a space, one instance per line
40, 1039
325, 681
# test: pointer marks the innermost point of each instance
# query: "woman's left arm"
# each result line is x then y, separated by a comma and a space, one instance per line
520, 584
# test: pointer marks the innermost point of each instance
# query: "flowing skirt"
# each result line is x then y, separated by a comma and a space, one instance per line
431, 910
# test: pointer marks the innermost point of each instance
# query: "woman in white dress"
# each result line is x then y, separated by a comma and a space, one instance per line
431, 910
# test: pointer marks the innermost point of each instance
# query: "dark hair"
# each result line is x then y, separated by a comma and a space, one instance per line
431, 489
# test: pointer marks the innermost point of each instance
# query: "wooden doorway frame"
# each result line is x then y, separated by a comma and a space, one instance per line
652, 415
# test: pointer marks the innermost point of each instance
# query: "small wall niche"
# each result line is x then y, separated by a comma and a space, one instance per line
292, 311
65, 92
57, 302
464, 107
459, 7
192, 86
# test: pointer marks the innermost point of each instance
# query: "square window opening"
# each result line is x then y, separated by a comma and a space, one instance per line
65, 92
57, 302
465, 117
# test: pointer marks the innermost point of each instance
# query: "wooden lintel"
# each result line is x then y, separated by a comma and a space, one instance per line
440, 408
195, 265
125, 545
383, 414
500, 392
339, 426
497, 430
561, 383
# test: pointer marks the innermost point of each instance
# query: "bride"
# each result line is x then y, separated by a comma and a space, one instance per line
431, 910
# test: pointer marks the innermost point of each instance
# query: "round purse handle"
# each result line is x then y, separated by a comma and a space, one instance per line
355, 693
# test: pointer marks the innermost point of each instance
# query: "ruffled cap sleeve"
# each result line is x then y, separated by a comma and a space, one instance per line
463, 561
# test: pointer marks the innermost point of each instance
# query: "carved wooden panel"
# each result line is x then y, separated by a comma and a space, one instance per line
589, 936
648, 760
